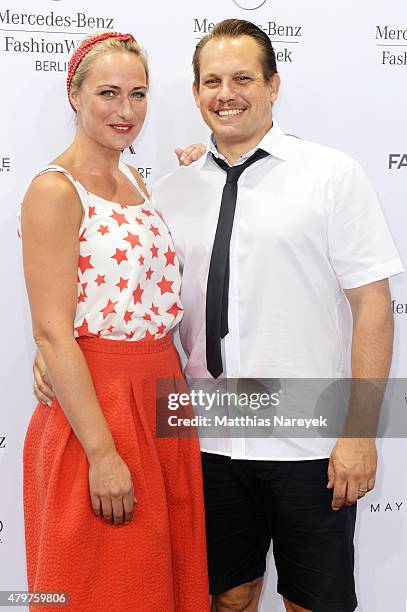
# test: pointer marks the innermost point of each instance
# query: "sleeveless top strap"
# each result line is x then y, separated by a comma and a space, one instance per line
80, 189
82, 193
126, 170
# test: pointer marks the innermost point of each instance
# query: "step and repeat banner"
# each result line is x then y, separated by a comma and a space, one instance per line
344, 83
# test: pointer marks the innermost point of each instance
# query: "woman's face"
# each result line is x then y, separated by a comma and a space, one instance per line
112, 102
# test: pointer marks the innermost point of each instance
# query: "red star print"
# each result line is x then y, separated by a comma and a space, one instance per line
130, 335
149, 273
137, 294
147, 317
109, 308
122, 284
154, 309
103, 229
84, 263
139, 221
119, 217
82, 236
174, 310
146, 212
83, 295
161, 329
128, 315
133, 239
165, 286
92, 211
120, 256
155, 230
100, 279
83, 329
141, 260
123, 205
170, 256
154, 251
148, 336
110, 328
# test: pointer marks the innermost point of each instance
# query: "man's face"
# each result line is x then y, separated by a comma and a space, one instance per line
233, 96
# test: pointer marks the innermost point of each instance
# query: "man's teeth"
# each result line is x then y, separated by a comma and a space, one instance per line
233, 111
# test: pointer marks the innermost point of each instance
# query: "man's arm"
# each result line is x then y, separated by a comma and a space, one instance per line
353, 461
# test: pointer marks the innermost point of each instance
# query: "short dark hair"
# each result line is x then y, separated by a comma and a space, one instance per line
233, 28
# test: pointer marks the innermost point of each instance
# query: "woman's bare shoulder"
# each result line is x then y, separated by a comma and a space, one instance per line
52, 189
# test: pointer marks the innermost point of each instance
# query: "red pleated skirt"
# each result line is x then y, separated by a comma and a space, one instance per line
156, 563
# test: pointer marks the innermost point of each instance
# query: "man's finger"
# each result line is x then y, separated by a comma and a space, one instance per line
178, 152
42, 390
371, 483
362, 490
46, 379
43, 399
352, 493
339, 496
331, 475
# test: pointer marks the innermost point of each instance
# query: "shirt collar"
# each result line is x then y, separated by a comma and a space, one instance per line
274, 142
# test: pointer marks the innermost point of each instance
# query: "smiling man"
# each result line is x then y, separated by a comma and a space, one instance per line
285, 256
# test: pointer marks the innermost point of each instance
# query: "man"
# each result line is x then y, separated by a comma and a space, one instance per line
307, 232
307, 240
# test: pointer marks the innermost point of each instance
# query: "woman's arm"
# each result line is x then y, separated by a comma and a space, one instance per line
51, 216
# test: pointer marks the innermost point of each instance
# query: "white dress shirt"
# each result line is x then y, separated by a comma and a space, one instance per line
307, 225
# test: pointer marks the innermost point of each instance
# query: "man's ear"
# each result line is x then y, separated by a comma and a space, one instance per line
275, 83
196, 94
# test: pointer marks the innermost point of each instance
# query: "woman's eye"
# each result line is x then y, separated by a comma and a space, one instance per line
106, 93
138, 94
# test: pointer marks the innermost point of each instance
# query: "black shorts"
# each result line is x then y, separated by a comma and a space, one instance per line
249, 503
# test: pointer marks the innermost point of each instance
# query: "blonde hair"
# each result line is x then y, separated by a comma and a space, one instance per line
102, 48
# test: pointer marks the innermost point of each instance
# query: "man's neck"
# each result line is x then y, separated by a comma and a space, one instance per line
233, 151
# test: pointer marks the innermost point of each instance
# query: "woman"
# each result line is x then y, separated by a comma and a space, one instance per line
113, 514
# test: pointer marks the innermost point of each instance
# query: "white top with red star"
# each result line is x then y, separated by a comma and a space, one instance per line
128, 273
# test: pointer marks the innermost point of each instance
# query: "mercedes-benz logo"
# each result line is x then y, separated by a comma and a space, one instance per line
249, 5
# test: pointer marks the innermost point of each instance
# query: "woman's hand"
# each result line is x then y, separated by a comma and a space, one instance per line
190, 154
42, 384
111, 488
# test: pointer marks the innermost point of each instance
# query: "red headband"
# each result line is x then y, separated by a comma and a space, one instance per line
84, 49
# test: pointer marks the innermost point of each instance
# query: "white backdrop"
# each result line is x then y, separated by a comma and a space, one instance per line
343, 66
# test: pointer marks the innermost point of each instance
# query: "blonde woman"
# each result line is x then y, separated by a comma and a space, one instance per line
113, 514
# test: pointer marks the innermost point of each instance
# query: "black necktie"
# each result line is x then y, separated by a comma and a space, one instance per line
217, 291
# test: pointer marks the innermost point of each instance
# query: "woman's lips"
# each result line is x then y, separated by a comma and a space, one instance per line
121, 128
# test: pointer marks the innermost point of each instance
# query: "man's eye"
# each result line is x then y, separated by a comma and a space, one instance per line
138, 94
243, 77
211, 82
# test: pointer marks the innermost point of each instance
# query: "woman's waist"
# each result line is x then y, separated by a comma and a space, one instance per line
143, 346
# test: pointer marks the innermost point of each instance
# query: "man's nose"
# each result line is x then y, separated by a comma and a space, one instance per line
226, 92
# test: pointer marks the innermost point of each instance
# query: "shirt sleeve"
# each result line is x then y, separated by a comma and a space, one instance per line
361, 248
